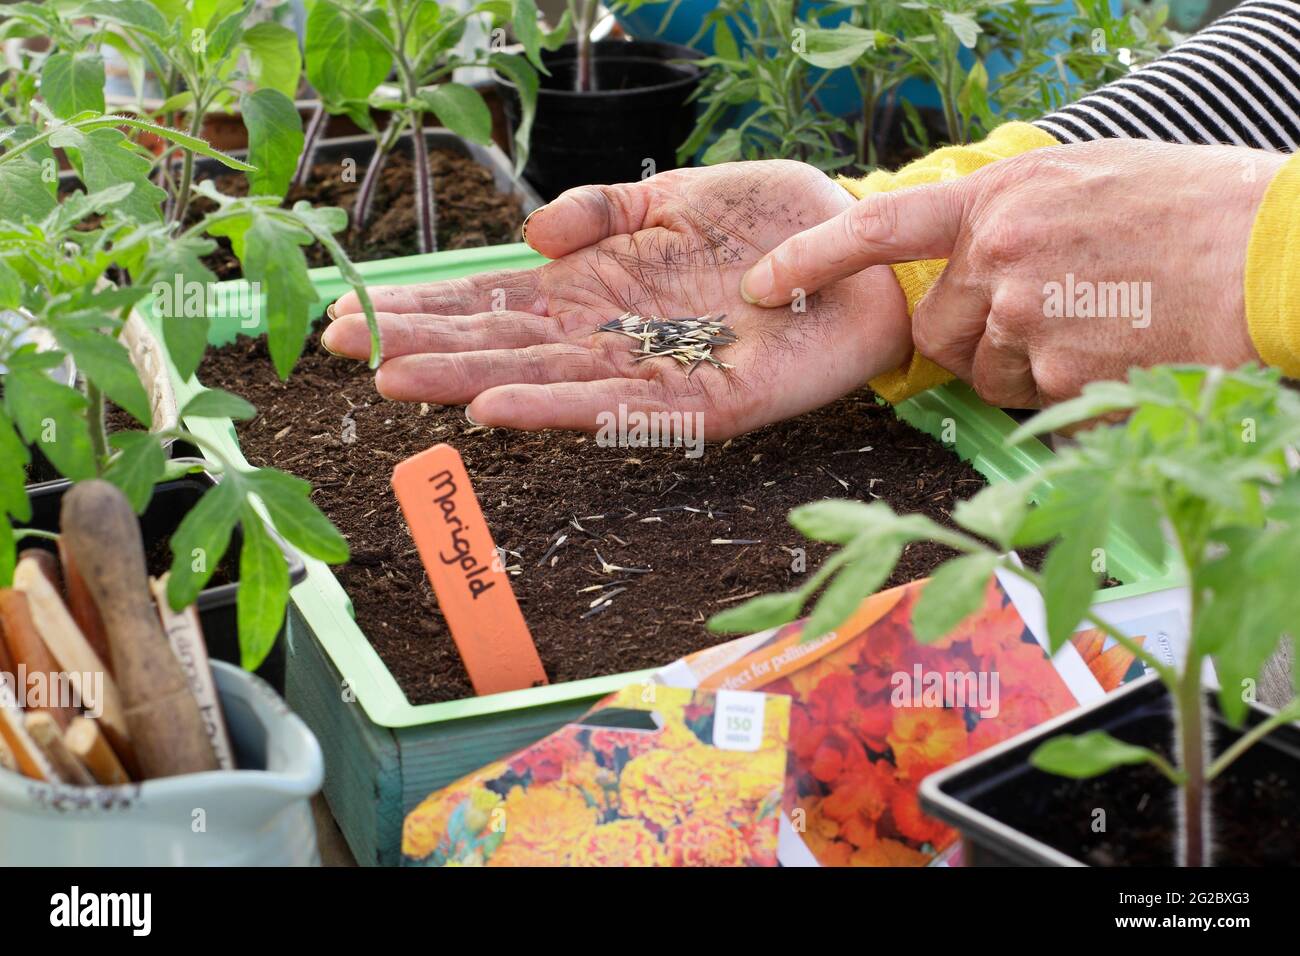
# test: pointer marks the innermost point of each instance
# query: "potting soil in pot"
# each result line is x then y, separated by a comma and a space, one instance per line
563, 497
1255, 807
470, 210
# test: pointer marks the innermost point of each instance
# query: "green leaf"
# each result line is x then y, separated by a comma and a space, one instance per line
556, 38
275, 63
174, 136
107, 363
1087, 755
275, 141
964, 26
460, 109
973, 99
171, 270
186, 338
345, 59
218, 403
79, 205
201, 539
221, 40
873, 559
11, 287
108, 160
726, 148
839, 521
323, 222
288, 501
175, 10
953, 593
996, 512
8, 553
758, 614
23, 187
520, 72
72, 83
263, 590
51, 417
1139, 516
1068, 586
136, 14
137, 468
528, 32
1241, 624
1097, 399
835, 49
270, 249
1063, 505
724, 42
13, 462
1213, 487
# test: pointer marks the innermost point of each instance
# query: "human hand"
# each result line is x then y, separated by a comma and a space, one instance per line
1156, 234
519, 346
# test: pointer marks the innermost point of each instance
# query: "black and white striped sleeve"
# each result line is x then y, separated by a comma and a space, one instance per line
1236, 82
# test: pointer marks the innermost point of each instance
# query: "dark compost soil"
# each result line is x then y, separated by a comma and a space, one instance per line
533, 485
470, 210
1141, 815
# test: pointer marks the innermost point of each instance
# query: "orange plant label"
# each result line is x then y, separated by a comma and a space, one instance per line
461, 560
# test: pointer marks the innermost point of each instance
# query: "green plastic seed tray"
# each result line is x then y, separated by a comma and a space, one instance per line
382, 754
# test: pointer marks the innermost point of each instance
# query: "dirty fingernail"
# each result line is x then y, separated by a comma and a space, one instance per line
523, 229
758, 283
325, 339
329, 312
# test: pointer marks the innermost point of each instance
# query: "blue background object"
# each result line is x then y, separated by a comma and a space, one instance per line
839, 95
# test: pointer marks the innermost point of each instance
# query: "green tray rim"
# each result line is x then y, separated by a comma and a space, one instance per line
980, 432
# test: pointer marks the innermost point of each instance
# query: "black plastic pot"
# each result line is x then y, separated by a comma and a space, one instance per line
172, 500
996, 796
41, 472
636, 111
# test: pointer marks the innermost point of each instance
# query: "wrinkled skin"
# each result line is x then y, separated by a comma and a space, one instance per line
674, 245
1173, 219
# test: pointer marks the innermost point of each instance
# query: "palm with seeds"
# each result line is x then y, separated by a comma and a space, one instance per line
520, 346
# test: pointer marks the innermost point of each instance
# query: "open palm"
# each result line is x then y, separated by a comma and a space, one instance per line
520, 346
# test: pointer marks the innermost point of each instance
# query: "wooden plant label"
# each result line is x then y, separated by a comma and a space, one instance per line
461, 560
185, 635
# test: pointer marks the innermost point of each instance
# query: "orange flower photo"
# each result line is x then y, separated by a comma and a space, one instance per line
660, 793
873, 712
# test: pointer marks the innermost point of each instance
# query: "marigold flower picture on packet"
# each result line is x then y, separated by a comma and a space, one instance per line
652, 776
874, 711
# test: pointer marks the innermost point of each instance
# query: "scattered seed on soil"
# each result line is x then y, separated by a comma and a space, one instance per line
531, 484
598, 609
556, 543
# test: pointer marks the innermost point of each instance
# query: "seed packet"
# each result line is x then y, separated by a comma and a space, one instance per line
652, 776
874, 711
1093, 663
